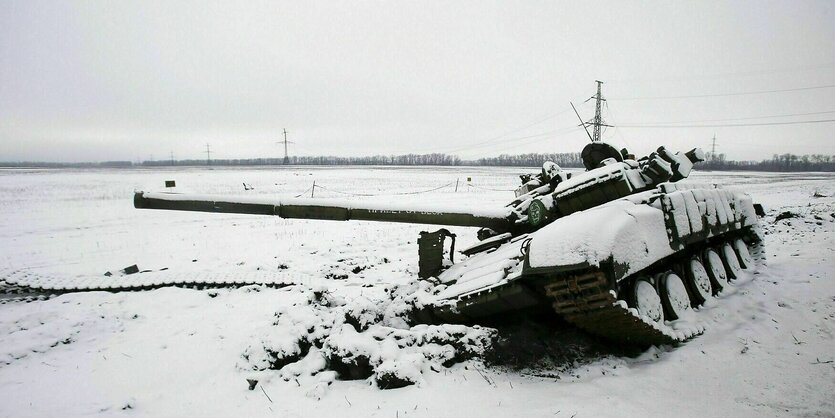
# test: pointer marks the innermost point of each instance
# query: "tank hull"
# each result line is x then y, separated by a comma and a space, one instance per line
584, 266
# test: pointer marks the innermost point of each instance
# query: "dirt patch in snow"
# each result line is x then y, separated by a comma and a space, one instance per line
546, 345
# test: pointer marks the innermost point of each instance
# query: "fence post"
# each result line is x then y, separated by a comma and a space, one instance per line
456, 185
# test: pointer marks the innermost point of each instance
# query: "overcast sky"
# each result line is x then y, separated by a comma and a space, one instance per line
110, 80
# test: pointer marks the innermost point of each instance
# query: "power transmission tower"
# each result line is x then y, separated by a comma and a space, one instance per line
597, 121
598, 118
285, 142
713, 149
208, 155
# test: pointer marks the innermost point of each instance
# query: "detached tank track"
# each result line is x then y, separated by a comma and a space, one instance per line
588, 300
25, 286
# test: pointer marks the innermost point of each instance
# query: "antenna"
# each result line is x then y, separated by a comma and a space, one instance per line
582, 123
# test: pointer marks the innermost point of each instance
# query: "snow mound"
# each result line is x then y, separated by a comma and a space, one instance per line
324, 337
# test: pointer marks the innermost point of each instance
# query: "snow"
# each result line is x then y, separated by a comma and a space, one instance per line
482, 271
766, 350
633, 233
586, 179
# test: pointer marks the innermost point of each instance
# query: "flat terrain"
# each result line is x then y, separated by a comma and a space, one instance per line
768, 350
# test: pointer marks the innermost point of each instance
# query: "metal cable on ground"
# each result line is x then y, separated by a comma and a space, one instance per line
487, 188
304, 192
384, 194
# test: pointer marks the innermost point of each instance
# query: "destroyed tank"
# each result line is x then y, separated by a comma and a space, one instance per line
622, 250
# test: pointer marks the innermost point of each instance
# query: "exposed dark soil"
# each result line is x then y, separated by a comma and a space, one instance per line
547, 343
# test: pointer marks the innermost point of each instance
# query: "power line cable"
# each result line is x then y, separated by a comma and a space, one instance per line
505, 142
746, 118
502, 136
728, 74
510, 140
617, 130
747, 93
799, 122
556, 134
538, 137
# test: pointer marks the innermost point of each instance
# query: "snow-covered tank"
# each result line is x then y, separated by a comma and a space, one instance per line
622, 250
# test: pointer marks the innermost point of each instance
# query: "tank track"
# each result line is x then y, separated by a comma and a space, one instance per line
589, 301
25, 285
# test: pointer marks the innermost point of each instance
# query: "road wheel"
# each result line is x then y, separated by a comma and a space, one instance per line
732, 266
716, 271
699, 282
646, 301
745, 259
674, 296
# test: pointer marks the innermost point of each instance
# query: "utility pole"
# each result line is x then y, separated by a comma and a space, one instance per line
208, 155
172, 158
285, 142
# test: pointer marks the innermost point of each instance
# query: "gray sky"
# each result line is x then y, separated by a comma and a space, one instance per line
108, 80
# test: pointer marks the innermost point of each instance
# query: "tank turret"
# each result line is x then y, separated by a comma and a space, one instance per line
543, 197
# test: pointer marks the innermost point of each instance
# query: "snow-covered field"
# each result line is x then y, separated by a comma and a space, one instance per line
768, 350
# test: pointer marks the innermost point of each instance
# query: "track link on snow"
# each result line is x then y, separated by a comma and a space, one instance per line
24, 283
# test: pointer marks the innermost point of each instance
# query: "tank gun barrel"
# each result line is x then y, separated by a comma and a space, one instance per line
326, 209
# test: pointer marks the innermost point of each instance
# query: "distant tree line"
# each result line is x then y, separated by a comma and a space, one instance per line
406, 159
42, 164
567, 159
782, 162
504, 160
779, 162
